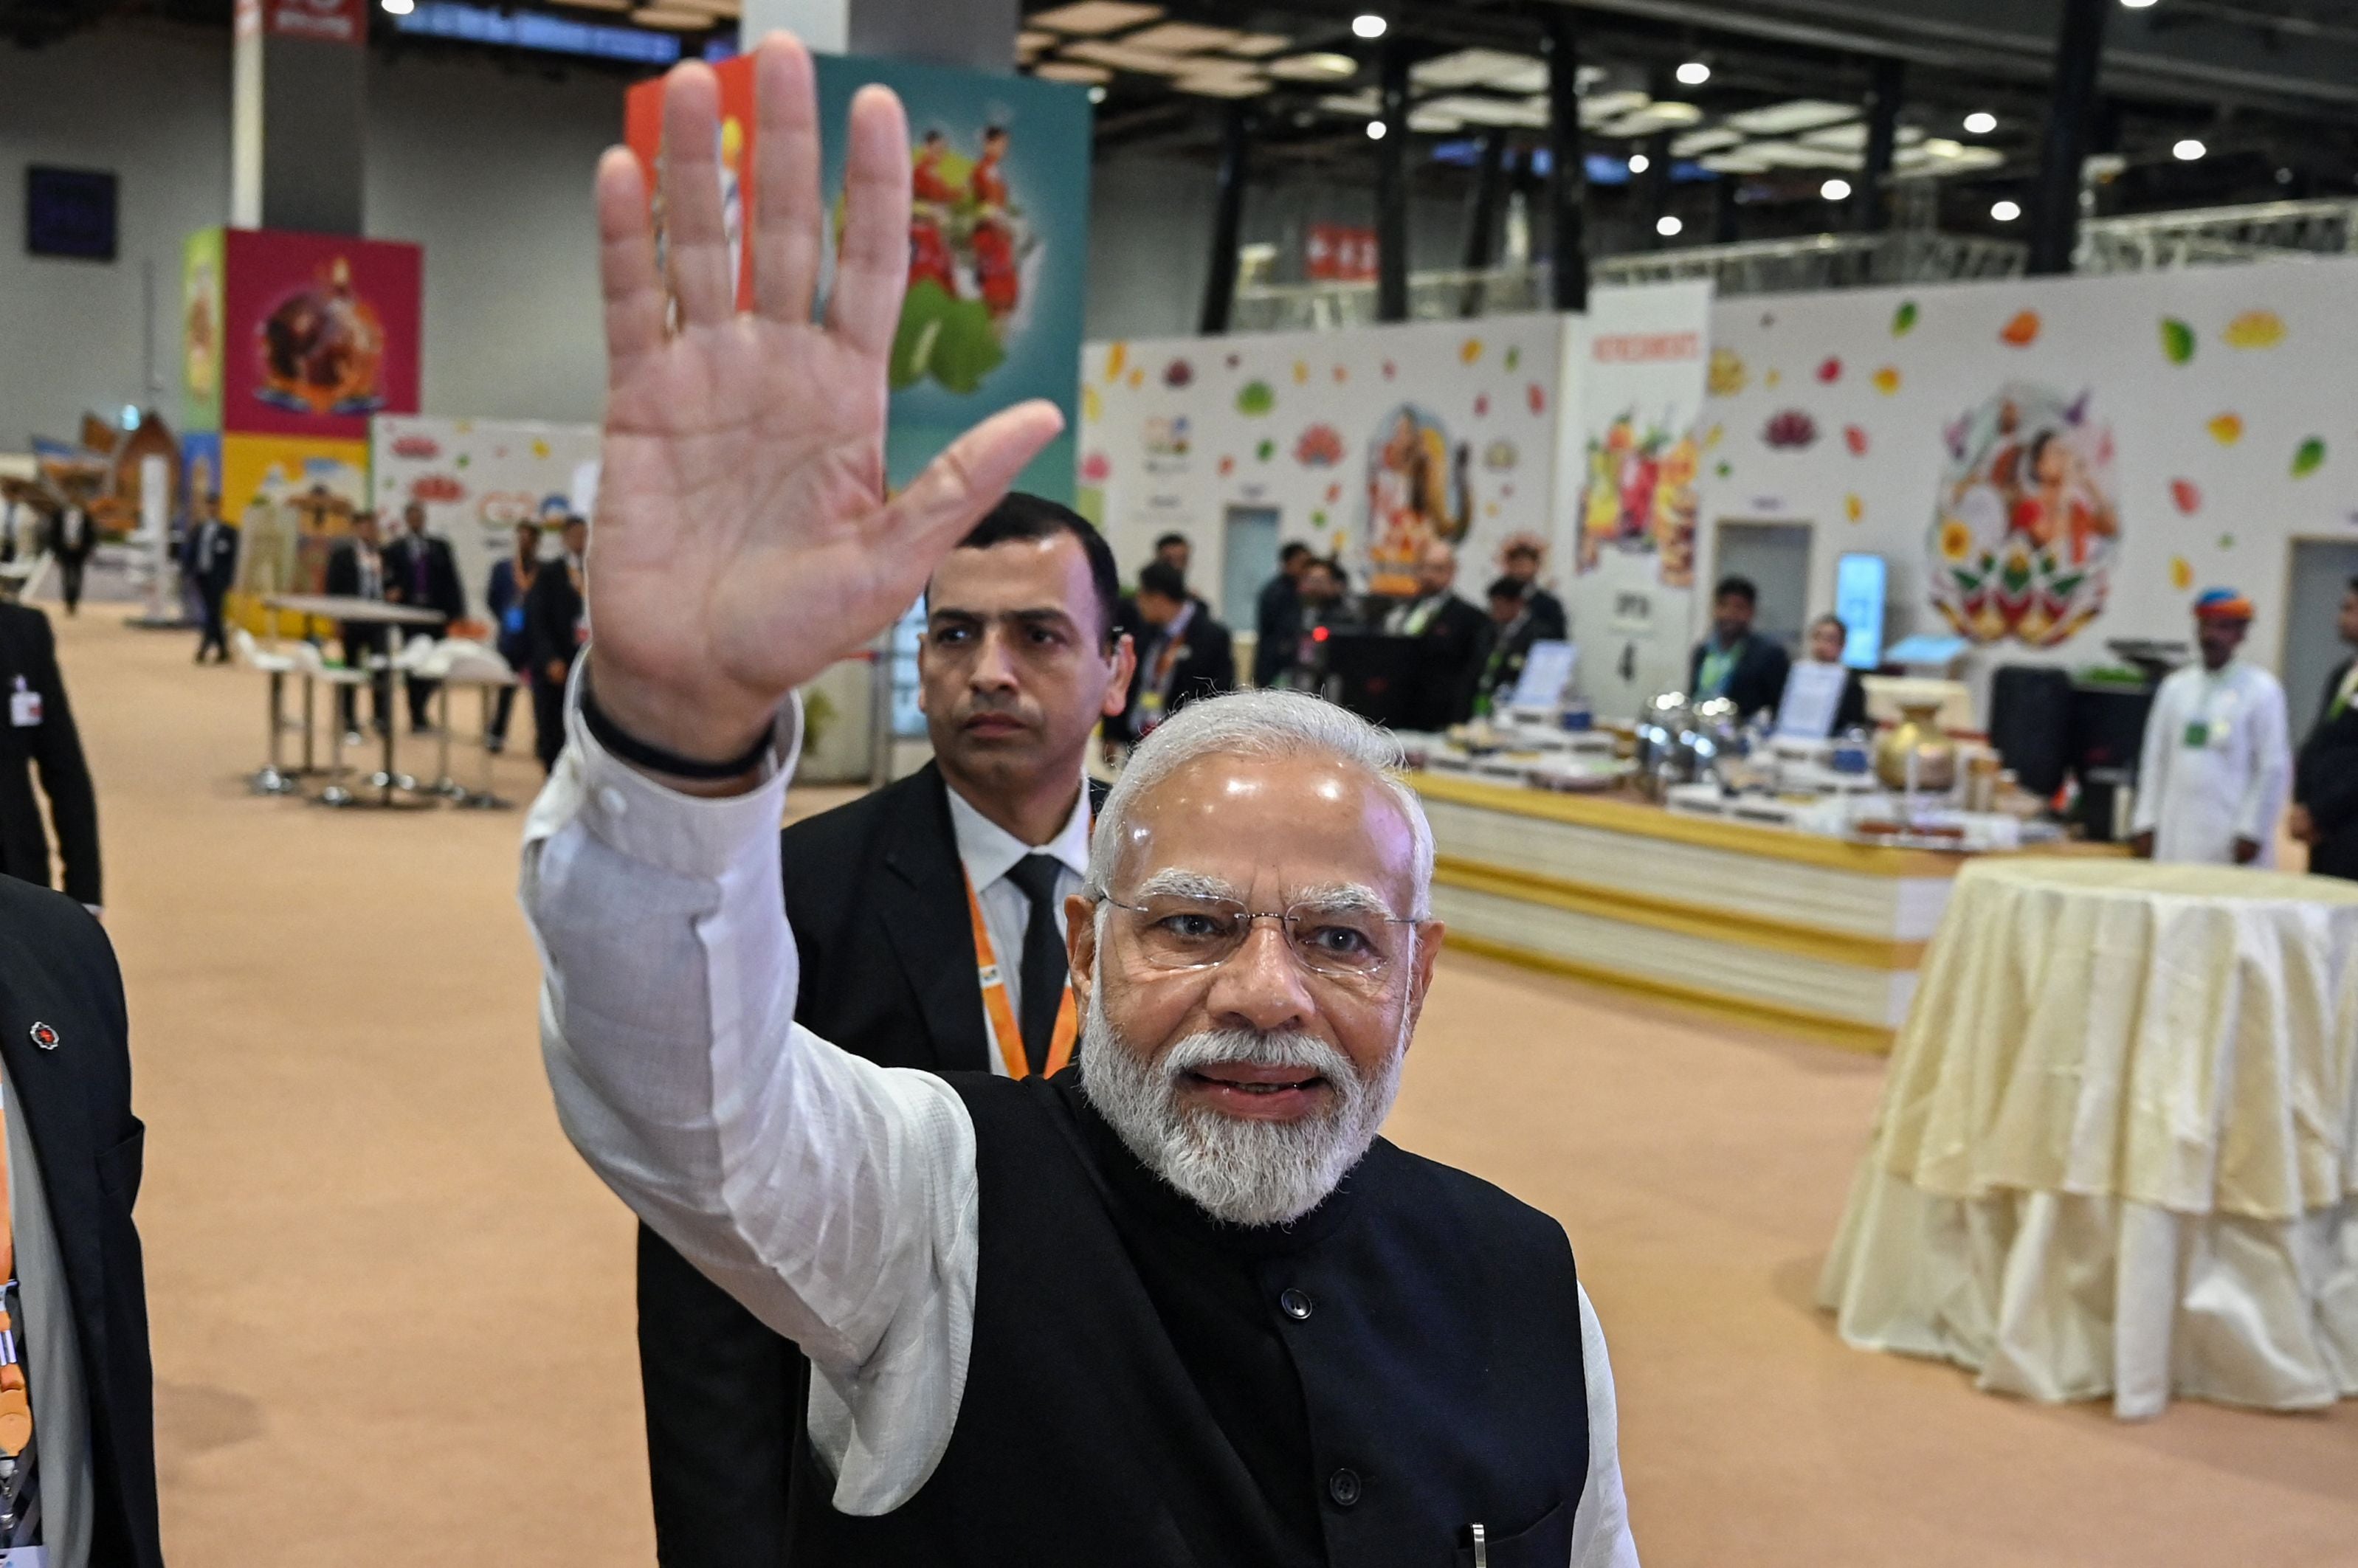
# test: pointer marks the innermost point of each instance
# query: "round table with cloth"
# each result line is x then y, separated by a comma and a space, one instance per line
2116, 1150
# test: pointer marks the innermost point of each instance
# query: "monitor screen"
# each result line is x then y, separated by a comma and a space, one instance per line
1860, 583
69, 212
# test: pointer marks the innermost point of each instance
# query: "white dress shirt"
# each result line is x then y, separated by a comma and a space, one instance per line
53, 1353
989, 852
834, 1198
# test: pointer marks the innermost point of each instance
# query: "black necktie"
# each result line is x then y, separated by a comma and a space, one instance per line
1045, 965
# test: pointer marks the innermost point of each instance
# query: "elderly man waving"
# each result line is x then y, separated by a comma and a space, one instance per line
1181, 1305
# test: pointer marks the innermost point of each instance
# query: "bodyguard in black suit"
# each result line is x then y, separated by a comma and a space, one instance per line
65, 1055
357, 570
1183, 653
554, 630
211, 567
1732, 663
1453, 634
2325, 777
1020, 662
419, 571
36, 732
1277, 614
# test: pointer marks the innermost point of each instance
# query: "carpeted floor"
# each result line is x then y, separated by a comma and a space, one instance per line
393, 1312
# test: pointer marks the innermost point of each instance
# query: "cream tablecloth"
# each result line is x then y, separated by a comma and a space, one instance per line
2115, 1150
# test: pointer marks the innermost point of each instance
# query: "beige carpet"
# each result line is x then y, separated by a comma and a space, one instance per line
393, 1312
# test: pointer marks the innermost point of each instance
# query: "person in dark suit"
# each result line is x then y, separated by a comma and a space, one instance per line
356, 570
211, 567
556, 624
1018, 662
420, 571
2325, 777
39, 735
1506, 646
1451, 631
1277, 614
1733, 662
72, 540
503, 597
1828, 636
1522, 560
84, 1483
1183, 653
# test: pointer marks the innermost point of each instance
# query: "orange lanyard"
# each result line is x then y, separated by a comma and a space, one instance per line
1003, 1012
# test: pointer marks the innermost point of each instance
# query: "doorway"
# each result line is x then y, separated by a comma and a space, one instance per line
2313, 648
1776, 556
1247, 559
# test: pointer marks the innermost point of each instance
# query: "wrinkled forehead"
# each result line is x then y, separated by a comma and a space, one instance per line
1270, 830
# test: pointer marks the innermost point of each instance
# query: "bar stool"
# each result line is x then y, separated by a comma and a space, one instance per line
471, 663
312, 667
273, 779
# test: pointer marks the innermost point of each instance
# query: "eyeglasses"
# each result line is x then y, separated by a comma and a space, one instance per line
1172, 932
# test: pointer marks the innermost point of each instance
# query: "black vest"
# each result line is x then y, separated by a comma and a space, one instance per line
1152, 1389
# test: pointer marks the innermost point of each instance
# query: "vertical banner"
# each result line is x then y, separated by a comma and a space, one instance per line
1626, 480
998, 240
201, 330
320, 332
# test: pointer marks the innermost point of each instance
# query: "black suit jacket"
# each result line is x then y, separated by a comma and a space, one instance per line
876, 895
56, 968
343, 577
214, 569
1207, 668
1759, 680
551, 611
29, 651
2326, 781
1454, 641
1277, 622
443, 594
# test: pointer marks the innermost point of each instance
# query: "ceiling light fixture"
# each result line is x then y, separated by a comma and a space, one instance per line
1979, 123
1835, 189
2187, 150
1640, 163
1666, 225
1098, 93
1322, 67
1368, 24
2005, 211
1694, 73
399, 8
1374, 130
2137, 5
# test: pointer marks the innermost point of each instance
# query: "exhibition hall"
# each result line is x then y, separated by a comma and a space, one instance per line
1070, 781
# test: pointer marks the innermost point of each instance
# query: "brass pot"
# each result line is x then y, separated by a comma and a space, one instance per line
1918, 735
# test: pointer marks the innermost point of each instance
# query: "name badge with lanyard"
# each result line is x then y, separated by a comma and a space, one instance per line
2201, 733
1001, 1011
24, 707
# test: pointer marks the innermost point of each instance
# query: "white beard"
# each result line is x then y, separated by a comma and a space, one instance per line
1237, 1169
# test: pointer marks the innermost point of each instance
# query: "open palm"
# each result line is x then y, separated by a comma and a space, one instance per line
743, 540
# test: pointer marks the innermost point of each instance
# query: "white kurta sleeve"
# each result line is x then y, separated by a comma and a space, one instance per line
1600, 1527
2270, 735
834, 1198
2162, 738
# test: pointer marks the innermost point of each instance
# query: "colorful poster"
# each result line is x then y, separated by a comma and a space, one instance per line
1366, 444
1626, 495
477, 479
321, 332
201, 330
998, 240
327, 21
2049, 464
291, 499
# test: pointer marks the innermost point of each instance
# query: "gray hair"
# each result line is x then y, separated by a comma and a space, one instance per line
1266, 726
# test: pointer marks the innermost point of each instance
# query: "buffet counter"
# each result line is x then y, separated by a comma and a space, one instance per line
1805, 933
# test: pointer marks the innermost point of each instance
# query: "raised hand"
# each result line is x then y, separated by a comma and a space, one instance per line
743, 540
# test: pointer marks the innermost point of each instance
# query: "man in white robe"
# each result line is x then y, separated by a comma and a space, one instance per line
2218, 755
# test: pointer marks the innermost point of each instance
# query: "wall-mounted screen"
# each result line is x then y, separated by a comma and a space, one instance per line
69, 212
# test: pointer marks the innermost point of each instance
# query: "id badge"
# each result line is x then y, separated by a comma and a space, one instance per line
24, 713
24, 1557
2198, 735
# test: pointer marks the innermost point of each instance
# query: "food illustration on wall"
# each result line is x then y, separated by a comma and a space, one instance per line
1416, 493
1637, 496
2025, 527
321, 348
